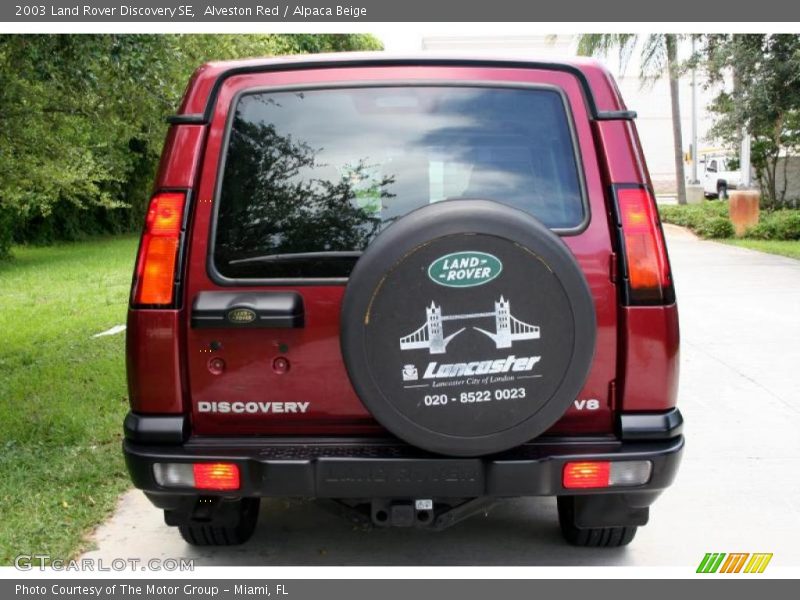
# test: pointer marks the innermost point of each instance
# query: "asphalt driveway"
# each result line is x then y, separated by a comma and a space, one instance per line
737, 490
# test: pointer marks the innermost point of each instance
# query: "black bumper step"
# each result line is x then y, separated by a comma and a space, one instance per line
368, 468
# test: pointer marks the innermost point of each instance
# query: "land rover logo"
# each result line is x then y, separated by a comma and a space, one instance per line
464, 269
241, 315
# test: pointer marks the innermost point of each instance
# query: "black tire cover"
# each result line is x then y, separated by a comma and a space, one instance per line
467, 328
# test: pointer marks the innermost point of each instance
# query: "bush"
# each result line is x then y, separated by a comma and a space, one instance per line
7, 221
761, 231
709, 219
715, 227
70, 223
777, 225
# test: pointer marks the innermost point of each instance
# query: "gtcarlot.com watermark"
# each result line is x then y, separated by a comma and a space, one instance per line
29, 562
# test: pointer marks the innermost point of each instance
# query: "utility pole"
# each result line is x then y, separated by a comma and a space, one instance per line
695, 155
671, 42
694, 191
744, 159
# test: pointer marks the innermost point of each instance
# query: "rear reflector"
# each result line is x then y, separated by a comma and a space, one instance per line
630, 472
645, 251
200, 476
177, 475
603, 474
158, 252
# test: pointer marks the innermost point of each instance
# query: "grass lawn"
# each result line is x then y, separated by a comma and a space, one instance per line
789, 248
62, 393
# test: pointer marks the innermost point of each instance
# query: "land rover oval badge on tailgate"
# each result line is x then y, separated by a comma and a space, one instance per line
241, 315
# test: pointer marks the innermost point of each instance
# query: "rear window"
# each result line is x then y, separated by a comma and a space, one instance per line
310, 177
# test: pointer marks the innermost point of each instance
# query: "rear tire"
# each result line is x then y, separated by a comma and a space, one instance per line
209, 534
722, 190
593, 537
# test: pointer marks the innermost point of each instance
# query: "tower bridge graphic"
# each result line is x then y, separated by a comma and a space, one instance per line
508, 329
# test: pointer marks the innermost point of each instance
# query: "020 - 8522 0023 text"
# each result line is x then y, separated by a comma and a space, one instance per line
475, 397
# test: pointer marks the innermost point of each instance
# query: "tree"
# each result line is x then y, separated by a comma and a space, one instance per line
659, 55
764, 101
269, 209
82, 121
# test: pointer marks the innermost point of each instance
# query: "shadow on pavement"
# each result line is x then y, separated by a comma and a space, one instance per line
299, 532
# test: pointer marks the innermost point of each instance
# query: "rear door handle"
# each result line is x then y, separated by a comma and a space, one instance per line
242, 310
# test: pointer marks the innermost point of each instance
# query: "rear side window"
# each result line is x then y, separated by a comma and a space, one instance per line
310, 177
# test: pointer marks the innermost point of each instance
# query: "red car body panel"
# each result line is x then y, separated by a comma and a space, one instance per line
649, 335
154, 361
635, 363
649, 362
181, 157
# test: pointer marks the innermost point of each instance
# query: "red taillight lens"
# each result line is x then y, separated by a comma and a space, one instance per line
645, 252
158, 253
586, 474
165, 213
216, 476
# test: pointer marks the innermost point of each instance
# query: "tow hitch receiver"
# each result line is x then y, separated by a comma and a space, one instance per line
424, 513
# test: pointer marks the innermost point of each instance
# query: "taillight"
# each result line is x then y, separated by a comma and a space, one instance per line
158, 253
200, 476
586, 474
645, 253
603, 474
216, 476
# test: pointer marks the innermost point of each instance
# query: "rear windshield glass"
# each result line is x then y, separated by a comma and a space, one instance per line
310, 177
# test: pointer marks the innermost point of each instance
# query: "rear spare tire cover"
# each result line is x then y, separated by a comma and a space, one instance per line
467, 328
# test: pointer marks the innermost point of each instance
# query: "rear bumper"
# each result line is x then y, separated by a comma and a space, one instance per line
373, 468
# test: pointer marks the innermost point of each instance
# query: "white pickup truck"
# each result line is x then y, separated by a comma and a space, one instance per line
716, 175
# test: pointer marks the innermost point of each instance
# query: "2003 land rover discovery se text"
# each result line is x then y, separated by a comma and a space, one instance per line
410, 285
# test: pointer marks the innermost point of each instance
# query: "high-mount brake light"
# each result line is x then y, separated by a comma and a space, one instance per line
158, 253
646, 260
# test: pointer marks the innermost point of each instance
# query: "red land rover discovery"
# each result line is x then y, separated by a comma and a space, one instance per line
411, 285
